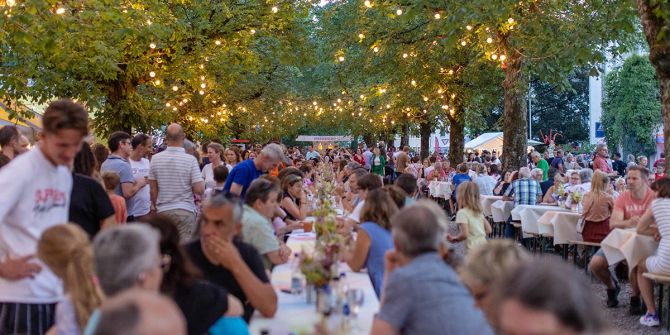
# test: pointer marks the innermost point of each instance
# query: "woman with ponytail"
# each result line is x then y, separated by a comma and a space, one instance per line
67, 251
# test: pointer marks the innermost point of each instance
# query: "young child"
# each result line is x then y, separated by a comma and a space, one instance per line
66, 250
472, 224
111, 181
220, 174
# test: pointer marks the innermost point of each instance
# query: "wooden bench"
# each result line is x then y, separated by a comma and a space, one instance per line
663, 282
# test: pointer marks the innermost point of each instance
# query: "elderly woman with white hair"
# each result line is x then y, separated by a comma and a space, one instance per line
129, 256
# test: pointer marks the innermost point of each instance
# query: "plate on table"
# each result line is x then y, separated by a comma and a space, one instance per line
548, 204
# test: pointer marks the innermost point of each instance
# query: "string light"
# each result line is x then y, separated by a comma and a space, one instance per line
185, 100
413, 82
149, 22
174, 109
494, 56
201, 92
451, 72
203, 85
152, 74
405, 55
437, 16
489, 40
167, 104
60, 11
510, 20
375, 49
361, 36
463, 43
252, 31
217, 42
152, 45
157, 82
468, 27
340, 58
503, 57
399, 11
201, 66
367, 3
275, 9
175, 88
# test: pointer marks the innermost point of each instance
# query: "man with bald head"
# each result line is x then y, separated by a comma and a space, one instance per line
174, 177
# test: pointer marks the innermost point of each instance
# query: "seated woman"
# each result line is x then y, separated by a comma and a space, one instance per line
181, 282
294, 200
505, 182
552, 193
374, 237
259, 208
484, 266
658, 213
574, 180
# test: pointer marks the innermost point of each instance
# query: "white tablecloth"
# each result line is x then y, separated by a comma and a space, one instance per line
528, 215
561, 225
294, 315
440, 189
487, 201
628, 245
501, 210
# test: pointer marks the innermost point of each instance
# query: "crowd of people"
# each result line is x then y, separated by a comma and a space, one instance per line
134, 237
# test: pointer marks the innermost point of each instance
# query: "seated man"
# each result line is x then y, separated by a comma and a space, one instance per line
526, 192
628, 209
227, 261
422, 294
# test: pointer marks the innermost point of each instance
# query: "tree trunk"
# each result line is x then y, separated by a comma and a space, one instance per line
404, 135
659, 56
456, 136
369, 139
425, 130
515, 126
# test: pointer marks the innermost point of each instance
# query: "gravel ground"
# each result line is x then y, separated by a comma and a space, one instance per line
622, 322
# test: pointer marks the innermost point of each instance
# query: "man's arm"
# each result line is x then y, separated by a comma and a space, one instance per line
198, 187
236, 188
130, 189
153, 191
617, 221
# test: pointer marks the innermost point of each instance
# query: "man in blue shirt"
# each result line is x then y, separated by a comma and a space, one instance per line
244, 173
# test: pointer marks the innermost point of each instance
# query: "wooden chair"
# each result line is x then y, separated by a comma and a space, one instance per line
662, 281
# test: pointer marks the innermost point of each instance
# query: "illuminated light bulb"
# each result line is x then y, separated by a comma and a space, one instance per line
157, 82
202, 77
314, 103
252, 31
388, 106
503, 57
149, 22
152, 45
362, 96
398, 12
510, 20
217, 42
468, 27
221, 119
367, 3
167, 104
304, 114
11, 3
463, 43
174, 109
437, 16
489, 40
370, 120
375, 49
405, 55
275, 9
494, 56
201, 66
361, 36
408, 114
392, 122
203, 85
185, 100
359, 114
425, 98
152, 74
341, 59
175, 88
60, 11
451, 72
339, 100
439, 91
413, 82
453, 95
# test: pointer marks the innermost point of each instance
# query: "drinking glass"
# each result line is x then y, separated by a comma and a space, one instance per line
355, 299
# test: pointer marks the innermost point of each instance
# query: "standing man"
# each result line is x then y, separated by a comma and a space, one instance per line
367, 154
540, 163
244, 173
311, 153
403, 160
174, 176
600, 162
628, 209
618, 165
117, 161
35, 191
558, 163
140, 204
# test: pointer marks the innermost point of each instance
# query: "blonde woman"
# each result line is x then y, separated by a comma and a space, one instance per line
215, 155
598, 206
551, 196
472, 224
484, 266
66, 250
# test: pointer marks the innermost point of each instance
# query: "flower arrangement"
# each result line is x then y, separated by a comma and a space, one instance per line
576, 196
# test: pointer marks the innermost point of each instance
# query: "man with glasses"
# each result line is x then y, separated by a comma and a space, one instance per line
600, 162
117, 161
225, 260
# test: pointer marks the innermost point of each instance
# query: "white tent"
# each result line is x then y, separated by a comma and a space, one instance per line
490, 142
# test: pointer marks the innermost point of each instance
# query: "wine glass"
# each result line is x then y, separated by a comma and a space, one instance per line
355, 299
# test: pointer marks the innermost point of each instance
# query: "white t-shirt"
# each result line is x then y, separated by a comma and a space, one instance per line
140, 203
35, 196
356, 214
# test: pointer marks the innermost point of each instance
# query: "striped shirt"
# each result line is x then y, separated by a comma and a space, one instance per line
175, 172
661, 210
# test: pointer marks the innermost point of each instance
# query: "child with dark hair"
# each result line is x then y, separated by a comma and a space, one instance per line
220, 174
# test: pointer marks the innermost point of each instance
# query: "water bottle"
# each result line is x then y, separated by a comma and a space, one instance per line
296, 276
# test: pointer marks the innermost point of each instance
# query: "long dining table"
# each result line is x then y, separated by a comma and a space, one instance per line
528, 215
296, 316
